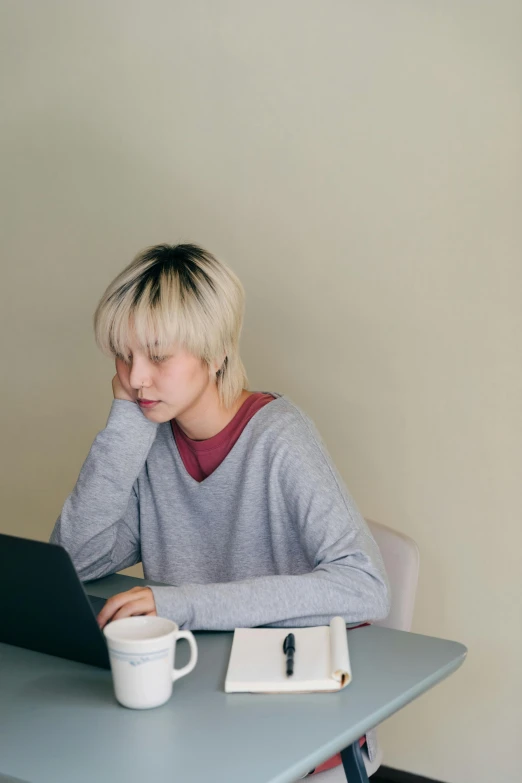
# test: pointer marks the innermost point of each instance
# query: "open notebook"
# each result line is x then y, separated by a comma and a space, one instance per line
258, 665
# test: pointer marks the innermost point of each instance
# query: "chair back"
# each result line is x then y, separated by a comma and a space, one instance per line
400, 554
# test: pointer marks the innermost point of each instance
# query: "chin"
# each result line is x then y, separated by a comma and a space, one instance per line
156, 415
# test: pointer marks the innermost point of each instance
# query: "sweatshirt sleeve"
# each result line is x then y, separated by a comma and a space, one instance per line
99, 524
347, 575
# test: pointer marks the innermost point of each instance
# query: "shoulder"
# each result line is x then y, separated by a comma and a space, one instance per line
286, 442
279, 412
282, 424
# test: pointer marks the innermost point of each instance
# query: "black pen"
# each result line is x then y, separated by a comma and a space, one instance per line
289, 650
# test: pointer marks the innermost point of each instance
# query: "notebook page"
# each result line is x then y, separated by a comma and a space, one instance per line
258, 664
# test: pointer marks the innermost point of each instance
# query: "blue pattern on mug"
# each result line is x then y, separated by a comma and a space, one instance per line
138, 660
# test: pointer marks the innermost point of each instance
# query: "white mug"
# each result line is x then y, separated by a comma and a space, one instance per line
141, 652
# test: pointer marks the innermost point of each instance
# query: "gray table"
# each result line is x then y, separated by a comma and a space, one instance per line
59, 721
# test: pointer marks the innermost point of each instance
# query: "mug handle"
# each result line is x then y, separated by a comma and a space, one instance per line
177, 673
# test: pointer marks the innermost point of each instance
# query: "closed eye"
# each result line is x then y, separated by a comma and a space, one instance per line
155, 359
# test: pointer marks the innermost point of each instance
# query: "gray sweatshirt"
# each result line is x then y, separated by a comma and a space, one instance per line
271, 537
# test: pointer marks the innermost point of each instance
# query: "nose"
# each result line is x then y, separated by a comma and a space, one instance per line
139, 374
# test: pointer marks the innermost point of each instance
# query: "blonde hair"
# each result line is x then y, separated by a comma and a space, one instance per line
177, 295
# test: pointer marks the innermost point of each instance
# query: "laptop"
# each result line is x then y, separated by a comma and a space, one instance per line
44, 606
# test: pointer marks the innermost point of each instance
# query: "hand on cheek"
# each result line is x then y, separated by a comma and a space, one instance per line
121, 390
138, 601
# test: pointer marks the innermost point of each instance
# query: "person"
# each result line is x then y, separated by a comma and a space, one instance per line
227, 496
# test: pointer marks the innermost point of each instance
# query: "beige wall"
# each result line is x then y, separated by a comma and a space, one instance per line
359, 166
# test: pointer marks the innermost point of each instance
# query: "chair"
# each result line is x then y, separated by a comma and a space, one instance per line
401, 560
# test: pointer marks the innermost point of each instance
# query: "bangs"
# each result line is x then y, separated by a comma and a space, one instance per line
162, 308
171, 297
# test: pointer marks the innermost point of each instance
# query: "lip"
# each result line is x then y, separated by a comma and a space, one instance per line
148, 403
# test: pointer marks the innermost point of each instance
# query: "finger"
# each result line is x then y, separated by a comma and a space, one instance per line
132, 608
120, 599
114, 603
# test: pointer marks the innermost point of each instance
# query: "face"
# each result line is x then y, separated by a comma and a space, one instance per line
178, 382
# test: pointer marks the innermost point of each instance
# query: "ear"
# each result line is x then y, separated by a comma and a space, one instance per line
217, 365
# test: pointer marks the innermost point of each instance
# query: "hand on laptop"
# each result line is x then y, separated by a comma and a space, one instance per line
139, 600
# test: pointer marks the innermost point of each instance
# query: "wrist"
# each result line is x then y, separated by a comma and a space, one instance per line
172, 603
125, 413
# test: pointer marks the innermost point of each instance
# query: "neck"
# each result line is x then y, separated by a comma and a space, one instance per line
208, 417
